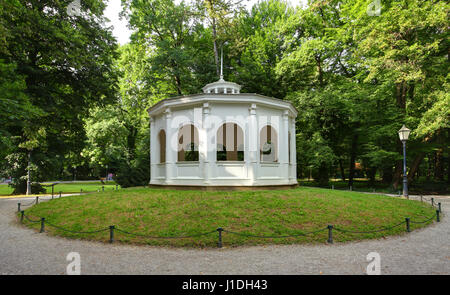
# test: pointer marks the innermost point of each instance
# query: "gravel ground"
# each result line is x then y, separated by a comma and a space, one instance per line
24, 251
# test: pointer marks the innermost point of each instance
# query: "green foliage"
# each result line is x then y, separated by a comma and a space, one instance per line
134, 174
54, 68
78, 102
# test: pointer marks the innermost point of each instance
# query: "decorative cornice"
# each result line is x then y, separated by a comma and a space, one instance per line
222, 98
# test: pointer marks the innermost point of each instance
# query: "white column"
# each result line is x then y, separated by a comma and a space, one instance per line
171, 146
205, 148
284, 146
153, 156
252, 159
293, 174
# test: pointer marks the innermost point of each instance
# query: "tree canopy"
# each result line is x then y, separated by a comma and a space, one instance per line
77, 101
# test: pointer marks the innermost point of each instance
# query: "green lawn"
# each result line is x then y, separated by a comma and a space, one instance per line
74, 187
280, 212
5, 190
420, 186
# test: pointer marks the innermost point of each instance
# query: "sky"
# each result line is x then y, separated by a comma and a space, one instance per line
122, 33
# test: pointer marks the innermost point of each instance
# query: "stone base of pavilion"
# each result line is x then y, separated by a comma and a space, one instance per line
225, 187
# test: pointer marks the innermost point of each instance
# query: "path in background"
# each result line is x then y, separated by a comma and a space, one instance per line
24, 251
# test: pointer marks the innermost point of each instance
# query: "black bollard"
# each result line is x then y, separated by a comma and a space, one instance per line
22, 213
330, 234
60, 194
18, 207
439, 206
37, 200
42, 225
408, 229
437, 216
220, 230
111, 233
103, 188
432, 202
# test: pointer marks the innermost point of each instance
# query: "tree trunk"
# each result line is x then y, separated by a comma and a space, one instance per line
353, 159
387, 175
371, 172
414, 167
439, 168
178, 84
341, 166
448, 169
397, 177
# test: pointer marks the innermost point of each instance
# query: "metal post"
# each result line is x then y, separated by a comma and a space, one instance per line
42, 225
103, 188
220, 230
18, 207
22, 213
405, 177
437, 216
28, 174
439, 206
37, 200
432, 202
408, 229
111, 233
330, 234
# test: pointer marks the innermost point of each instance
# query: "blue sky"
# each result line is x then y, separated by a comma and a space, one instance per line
122, 33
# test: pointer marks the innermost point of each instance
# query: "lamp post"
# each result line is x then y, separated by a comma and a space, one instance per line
403, 133
28, 174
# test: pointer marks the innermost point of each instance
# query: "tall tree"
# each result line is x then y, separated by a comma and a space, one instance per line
66, 64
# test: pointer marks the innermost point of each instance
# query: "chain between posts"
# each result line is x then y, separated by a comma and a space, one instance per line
220, 230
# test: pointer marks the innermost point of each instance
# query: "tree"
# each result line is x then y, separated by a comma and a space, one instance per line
65, 64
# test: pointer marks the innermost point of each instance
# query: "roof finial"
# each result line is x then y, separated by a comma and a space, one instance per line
221, 63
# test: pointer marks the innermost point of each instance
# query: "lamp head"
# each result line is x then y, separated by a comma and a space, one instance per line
403, 133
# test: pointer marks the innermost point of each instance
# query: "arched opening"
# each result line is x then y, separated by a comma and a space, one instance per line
188, 143
162, 146
230, 143
268, 144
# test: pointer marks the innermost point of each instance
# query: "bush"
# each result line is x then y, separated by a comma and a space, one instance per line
137, 174
20, 187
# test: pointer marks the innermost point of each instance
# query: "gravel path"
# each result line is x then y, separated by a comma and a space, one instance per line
24, 251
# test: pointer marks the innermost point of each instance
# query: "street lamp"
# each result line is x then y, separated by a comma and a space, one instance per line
403, 133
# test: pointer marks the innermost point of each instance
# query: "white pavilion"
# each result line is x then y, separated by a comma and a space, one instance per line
223, 139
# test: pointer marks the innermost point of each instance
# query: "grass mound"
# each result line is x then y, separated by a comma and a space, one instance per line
169, 213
